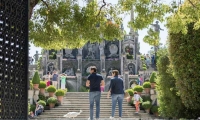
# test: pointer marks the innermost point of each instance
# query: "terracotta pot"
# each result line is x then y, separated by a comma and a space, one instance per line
140, 93
153, 85
147, 110
147, 90
51, 105
42, 90
35, 86
60, 98
156, 114
51, 94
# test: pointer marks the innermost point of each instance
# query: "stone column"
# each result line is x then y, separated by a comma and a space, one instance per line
103, 62
126, 79
79, 59
79, 79
120, 48
59, 59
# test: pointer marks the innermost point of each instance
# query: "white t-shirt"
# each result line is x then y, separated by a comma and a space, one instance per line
136, 97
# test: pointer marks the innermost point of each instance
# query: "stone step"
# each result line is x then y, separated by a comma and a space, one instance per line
86, 106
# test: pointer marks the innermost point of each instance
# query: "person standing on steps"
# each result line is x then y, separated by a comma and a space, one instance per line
93, 82
63, 81
55, 79
116, 90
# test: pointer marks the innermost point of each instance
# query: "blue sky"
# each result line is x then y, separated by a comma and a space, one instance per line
144, 48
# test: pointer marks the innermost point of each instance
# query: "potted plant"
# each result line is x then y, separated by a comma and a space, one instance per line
139, 89
30, 91
42, 102
147, 105
42, 87
36, 80
60, 93
51, 90
147, 87
130, 92
154, 110
51, 101
153, 80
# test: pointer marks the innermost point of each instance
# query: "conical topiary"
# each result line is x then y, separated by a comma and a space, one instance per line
153, 77
36, 80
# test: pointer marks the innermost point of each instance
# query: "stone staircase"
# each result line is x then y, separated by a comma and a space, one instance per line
76, 101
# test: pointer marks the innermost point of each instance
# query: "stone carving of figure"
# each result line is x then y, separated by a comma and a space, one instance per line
68, 53
36, 56
157, 27
131, 69
51, 68
90, 54
80, 51
101, 48
113, 51
110, 72
69, 72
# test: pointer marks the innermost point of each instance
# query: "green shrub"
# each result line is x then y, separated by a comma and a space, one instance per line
42, 84
138, 88
51, 88
153, 77
154, 109
32, 108
42, 97
128, 56
51, 100
147, 85
36, 78
60, 92
146, 98
42, 102
146, 105
130, 92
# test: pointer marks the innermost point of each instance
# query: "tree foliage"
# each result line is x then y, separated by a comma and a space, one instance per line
171, 104
185, 58
59, 23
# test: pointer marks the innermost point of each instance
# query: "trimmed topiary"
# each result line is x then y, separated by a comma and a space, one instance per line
147, 85
36, 78
60, 92
52, 100
32, 108
42, 102
51, 88
146, 98
42, 84
42, 97
138, 88
154, 109
130, 92
153, 77
146, 105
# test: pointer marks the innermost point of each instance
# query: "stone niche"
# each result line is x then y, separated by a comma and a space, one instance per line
91, 51
112, 65
112, 49
70, 53
69, 67
87, 64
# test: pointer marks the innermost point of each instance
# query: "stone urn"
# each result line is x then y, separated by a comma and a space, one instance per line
51, 94
147, 110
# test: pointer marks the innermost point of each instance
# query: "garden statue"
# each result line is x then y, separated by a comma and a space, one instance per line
69, 72
156, 27
36, 56
101, 48
110, 72
90, 52
68, 53
113, 51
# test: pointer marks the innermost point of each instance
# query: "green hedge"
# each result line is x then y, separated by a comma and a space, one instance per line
138, 88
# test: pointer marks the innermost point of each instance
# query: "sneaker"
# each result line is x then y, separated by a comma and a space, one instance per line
111, 117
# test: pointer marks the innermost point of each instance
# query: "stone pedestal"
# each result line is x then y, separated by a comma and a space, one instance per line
103, 62
59, 61
126, 79
79, 58
79, 79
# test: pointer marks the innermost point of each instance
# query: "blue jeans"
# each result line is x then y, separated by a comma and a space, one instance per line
117, 98
94, 96
38, 112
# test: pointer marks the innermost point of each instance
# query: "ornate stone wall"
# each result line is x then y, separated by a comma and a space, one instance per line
69, 67
112, 64
88, 63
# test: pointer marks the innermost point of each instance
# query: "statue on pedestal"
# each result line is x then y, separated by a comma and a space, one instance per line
36, 56
68, 53
101, 48
157, 27
91, 53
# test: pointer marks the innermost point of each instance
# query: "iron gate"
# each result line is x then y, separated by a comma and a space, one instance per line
13, 59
